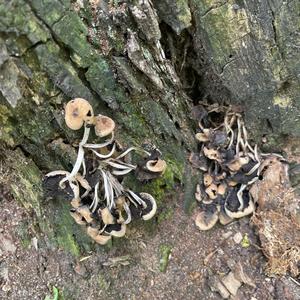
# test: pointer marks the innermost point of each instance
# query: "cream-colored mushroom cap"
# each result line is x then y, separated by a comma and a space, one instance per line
78, 111
156, 166
206, 221
104, 125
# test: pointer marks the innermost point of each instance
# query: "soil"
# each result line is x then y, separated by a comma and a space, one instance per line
197, 259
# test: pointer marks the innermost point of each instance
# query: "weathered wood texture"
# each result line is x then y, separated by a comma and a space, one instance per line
145, 65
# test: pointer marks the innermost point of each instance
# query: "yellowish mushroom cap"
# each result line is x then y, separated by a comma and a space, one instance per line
78, 111
96, 236
156, 166
104, 125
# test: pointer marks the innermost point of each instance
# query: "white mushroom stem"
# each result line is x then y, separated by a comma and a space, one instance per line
136, 198
240, 196
253, 169
102, 145
80, 157
128, 212
238, 140
108, 191
131, 149
120, 165
95, 202
105, 155
253, 180
229, 130
117, 186
246, 139
121, 173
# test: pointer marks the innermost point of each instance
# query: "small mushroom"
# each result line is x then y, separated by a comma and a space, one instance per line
207, 179
212, 154
94, 233
151, 207
77, 217
76, 202
237, 163
156, 166
77, 112
212, 191
233, 208
106, 216
116, 230
198, 193
104, 125
85, 212
207, 218
203, 136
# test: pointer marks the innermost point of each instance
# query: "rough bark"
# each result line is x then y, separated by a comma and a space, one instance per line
145, 65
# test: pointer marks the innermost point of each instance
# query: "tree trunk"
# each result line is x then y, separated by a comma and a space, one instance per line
145, 64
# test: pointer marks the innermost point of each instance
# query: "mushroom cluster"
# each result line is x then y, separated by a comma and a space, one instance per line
94, 186
229, 163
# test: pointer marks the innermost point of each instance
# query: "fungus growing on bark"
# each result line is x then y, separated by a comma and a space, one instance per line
230, 163
94, 187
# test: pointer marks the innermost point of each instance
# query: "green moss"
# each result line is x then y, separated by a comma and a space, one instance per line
245, 243
6, 126
166, 214
69, 235
103, 283
164, 254
26, 186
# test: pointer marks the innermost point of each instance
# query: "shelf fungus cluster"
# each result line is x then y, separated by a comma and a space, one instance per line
94, 187
229, 163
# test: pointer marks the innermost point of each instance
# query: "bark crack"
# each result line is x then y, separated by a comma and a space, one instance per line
216, 6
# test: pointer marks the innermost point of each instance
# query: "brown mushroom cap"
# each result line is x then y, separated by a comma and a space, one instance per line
104, 125
85, 212
96, 236
207, 179
211, 191
77, 217
78, 111
156, 166
201, 137
106, 215
206, 220
237, 163
212, 154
